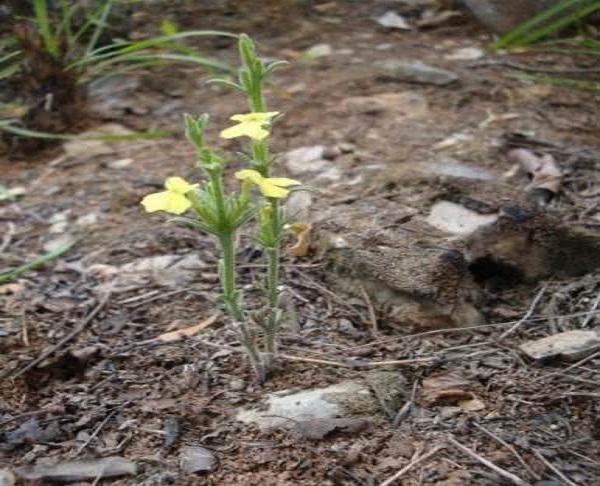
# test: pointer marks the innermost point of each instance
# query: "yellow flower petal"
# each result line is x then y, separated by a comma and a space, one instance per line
253, 130
248, 175
283, 181
178, 185
168, 201
271, 190
250, 125
255, 117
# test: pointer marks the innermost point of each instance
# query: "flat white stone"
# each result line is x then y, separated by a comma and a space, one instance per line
570, 345
456, 219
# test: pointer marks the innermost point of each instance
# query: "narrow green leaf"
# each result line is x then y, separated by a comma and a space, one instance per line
7, 126
35, 263
100, 25
42, 21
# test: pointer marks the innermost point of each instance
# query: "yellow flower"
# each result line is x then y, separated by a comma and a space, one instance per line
269, 186
172, 200
250, 125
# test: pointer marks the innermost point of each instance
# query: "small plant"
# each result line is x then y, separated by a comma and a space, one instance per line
565, 13
49, 60
534, 32
223, 214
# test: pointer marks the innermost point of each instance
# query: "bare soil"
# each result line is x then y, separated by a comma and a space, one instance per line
107, 391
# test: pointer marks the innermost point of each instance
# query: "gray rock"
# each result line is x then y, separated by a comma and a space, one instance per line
453, 218
392, 20
304, 160
465, 54
416, 72
196, 459
501, 16
79, 470
448, 167
286, 407
390, 388
7, 478
569, 345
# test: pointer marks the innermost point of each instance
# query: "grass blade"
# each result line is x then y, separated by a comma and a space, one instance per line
35, 263
157, 57
100, 25
9, 127
558, 25
528, 28
125, 47
42, 21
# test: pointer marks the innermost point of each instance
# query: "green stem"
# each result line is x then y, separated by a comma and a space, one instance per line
273, 256
228, 277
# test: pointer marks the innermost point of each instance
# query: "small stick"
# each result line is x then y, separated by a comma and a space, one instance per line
451, 330
588, 318
412, 464
7, 238
94, 434
502, 472
510, 448
539, 455
314, 360
574, 365
372, 314
398, 362
527, 315
402, 413
25, 330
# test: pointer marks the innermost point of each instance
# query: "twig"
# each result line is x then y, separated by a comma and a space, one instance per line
7, 238
350, 364
451, 330
502, 472
399, 362
402, 413
94, 434
82, 325
588, 318
412, 464
510, 448
527, 315
372, 314
314, 360
566, 480
574, 365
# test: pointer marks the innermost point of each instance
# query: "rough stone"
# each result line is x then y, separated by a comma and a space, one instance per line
283, 408
418, 280
569, 345
196, 459
7, 478
535, 244
501, 16
167, 270
465, 54
392, 20
79, 470
416, 72
455, 219
390, 388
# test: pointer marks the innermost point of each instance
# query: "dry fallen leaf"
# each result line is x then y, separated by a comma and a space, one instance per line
543, 170
445, 389
472, 405
302, 245
12, 288
169, 337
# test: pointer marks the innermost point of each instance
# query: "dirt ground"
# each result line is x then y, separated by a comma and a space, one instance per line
109, 391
